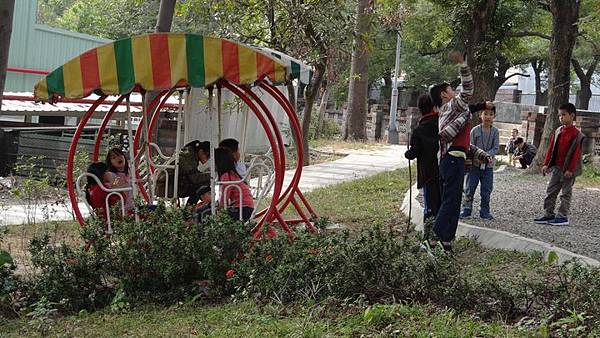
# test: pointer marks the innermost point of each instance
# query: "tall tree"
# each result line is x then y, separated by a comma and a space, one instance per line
7, 8
586, 55
359, 72
565, 15
305, 29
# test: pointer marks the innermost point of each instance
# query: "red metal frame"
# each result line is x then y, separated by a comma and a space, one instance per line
289, 195
27, 70
105, 121
271, 214
72, 150
272, 211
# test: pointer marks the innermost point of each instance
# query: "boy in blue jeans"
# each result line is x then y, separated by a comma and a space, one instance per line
486, 137
454, 131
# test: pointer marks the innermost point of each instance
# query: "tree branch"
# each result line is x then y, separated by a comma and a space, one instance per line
527, 33
515, 74
578, 70
592, 68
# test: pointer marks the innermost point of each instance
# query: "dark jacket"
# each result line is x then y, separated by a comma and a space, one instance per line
528, 152
424, 146
190, 178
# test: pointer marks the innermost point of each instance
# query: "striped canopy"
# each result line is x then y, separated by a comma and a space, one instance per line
158, 61
297, 68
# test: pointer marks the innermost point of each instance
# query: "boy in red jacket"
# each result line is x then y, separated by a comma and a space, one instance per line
564, 161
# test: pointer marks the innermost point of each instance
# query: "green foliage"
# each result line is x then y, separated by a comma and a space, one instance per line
329, 129
69, 276
382, 268
164, 257
9, 286
42, 315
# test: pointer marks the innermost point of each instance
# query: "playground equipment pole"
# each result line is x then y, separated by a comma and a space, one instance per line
393, 129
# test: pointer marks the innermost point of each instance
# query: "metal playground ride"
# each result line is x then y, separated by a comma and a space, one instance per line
161, 64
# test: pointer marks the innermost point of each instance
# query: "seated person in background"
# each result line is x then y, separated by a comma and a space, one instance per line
203, 207
234, 146
94, 194
524, 152
225, 164
510, 145
190, 178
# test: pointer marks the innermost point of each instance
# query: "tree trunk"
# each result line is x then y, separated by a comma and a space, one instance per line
585, 80
481, 56
359, 77
310, 94
165, 16
7, 8
564, 33
322, 110
541, 97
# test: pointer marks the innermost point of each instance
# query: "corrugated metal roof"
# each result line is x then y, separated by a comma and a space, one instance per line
25, 107
15, 106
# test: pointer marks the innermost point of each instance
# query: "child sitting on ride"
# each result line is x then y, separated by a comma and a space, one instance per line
234, 146
94, 194
203, 207
117, 163
190, 178
226, 170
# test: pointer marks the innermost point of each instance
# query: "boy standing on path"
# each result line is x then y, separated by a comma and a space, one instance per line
424, 145
486, 137
454, 130
564, 160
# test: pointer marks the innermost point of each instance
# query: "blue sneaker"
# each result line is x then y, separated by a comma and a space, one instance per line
465, 213
559, 221
543, 219
488, 217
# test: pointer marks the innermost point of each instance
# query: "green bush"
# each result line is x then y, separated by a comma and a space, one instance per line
165, 257
10, 297
382, 268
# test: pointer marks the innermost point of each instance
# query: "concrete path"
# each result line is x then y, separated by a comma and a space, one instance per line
492, 238
357, 164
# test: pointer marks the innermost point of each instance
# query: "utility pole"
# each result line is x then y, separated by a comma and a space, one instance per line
393, 128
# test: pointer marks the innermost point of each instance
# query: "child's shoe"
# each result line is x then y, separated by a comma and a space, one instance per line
488, 217
559, 221
465, 213
543, 219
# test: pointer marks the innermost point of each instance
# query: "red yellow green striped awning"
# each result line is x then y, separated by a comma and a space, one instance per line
155, 62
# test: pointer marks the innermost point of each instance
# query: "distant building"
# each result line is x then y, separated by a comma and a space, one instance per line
39, 47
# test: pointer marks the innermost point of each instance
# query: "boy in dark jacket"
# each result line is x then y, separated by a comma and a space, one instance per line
563, 158
523, 152
424, 145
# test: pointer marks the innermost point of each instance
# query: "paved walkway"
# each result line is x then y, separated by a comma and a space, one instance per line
358, 164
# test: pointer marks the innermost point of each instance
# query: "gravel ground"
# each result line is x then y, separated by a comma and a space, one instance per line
518, 198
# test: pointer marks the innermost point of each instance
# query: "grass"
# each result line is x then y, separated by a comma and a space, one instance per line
338, 144
357, 204
15, 238
590, 176
364, 202
248, 319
